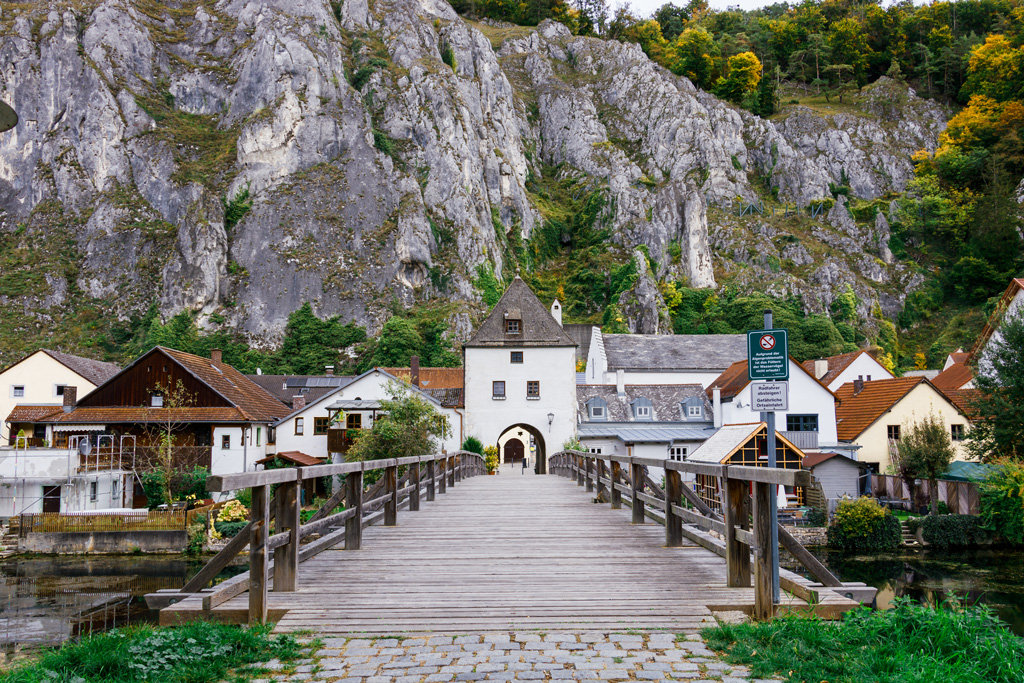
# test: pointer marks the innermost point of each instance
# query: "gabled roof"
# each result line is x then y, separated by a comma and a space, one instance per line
812, 460
294, 457
665, 399
432, 378
836, 365
855, 413
964, 400
954, 377
538, 327
286, 387
730, 438
95, 371
959, 357
710, 352
33, 412
1016, 285
735, 378
146, 415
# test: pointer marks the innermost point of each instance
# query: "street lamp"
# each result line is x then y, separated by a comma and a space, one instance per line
551, 418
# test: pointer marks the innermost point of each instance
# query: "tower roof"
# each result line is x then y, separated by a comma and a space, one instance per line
536, 325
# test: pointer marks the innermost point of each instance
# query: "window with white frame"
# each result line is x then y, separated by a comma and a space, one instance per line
93, 491
597, 409
18, 391
956, 432
156, 399
58, 389
598, 450
642, 409
115, 489
677, 453
300, 425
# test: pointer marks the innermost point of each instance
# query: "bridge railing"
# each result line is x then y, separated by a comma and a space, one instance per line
623, 480
424, 477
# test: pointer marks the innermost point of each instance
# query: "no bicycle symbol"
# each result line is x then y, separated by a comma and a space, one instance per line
767, 342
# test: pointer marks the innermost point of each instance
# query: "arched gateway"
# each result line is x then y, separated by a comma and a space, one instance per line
520, 375
520, 441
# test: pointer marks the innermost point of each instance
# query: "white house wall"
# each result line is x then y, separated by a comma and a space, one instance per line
24, 495
239, 457
1015, 307
40, 374
553, 367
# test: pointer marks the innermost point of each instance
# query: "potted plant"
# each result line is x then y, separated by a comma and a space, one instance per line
491, 459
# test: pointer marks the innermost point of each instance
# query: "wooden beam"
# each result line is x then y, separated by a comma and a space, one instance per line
286, 557
673, 522
258, 575
764, 607
354, 496
616, 478
771, 475
221, 560
737, 513
451, 470
220, 483
817, 569
636, 477
600, 479
431, 480
414, 480
391, 504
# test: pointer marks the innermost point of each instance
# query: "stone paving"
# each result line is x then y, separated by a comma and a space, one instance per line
590, 656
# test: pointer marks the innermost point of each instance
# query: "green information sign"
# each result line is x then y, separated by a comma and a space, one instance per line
768, 355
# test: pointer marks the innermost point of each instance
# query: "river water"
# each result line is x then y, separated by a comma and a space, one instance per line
987, 576
47, 600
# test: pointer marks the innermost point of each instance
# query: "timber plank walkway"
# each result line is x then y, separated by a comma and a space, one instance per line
507, 553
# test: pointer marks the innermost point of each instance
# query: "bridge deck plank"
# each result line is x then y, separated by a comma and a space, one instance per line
503, 553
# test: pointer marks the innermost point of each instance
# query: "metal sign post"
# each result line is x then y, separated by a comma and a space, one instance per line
768, 360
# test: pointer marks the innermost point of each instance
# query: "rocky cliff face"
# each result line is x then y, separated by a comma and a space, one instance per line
387, 148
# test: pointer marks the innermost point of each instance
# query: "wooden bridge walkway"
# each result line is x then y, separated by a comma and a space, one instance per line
499, 553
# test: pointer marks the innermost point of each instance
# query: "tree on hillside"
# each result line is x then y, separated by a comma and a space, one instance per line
311, 343
409, 426
999, 406
744, 75
924, 451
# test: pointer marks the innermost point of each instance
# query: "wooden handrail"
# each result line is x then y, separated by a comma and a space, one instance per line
630, 484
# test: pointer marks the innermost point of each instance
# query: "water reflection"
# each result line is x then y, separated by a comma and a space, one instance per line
991, 577
47, 600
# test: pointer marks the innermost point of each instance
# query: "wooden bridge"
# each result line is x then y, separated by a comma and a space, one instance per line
509, 552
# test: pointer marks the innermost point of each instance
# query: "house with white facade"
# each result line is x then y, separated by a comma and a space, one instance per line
520, 374
1010, 304
662, 359
835, 371
38, 380
810, 422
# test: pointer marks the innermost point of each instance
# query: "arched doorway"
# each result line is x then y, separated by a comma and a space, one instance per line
514, 451
530, 439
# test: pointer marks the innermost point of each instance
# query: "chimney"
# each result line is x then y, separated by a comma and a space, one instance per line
556, 312
820, 368
414, 371
329, 370
716, 406
70, 398
858, 386
215, 356
620, 382
298, 402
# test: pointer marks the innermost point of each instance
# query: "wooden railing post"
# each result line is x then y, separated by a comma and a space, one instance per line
600, 474
616, 494
354, 501
673, 496
636, 475
458, 467
737, 514
286, 557
763, 607
451, 470
414, 481
442, 478
258, 578
589, 478
431, 480
391, 504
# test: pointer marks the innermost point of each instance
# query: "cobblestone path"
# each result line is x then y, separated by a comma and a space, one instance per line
562, 656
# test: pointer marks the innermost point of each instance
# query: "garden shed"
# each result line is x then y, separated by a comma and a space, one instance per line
838, 475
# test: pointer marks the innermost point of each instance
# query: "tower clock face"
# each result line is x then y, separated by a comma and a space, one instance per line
8, 119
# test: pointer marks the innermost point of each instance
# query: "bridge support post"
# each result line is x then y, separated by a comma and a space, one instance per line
636, 476
258, 578
442, 480
736, 513
459, 463
580, 462
451, 470
600, 475
616, 494
590, 479
431, 480
354, 501
764, 609
673, 496
391, 504
286, 557
414, 481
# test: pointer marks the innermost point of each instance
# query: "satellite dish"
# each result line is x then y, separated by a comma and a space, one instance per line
8, 118
84, 446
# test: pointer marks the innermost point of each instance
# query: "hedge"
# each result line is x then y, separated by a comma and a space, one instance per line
946, 531
863, 524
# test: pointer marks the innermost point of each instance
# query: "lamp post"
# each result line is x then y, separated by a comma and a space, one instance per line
551, 418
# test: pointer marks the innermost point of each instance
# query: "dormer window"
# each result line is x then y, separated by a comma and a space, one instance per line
642, 409
156, 399
513, 326
597, 410
692, 409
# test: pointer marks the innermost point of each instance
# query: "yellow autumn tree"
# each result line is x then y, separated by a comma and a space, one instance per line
744, 75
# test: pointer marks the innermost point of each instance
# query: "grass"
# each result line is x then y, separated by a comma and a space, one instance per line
194, 653
910, 643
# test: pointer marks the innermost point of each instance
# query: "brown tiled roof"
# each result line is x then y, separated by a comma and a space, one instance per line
538, 328
836, 364
854, 414
251, 400
449, 398
96, 371
735, 377
143, 415
813, 459
286, 387
294, 457
953, 377
433, 378
964, 400
959, 357
32, 413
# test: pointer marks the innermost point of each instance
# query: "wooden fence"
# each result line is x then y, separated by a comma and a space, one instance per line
623, 480
961, 497
69, 522
424, 476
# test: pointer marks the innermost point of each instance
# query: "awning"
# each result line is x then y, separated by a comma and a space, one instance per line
79, 428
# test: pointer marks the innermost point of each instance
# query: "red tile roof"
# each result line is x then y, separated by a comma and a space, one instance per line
735, 378
294, 457
954, 377
1016, 285
144, 415
32, 413
433, 378
959, 357
836, 364
855, 413
814, 459
964, 400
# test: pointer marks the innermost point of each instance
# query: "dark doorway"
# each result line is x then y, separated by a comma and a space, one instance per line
514, 451
51, 499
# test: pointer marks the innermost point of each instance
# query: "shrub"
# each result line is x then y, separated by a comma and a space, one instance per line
863, 524
473, 445
229, 529
233, 511
382, 142
946, 531
1002, 502
816, 517
448, 56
